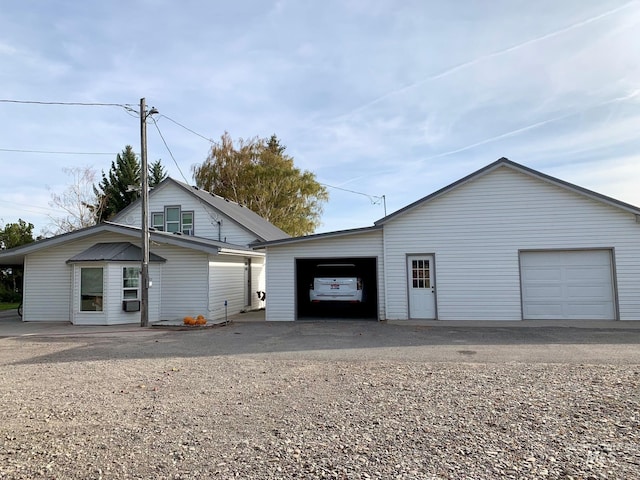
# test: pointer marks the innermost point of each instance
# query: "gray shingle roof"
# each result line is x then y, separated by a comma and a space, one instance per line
250, 220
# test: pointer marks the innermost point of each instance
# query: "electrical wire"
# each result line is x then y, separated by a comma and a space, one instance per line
15, 150
169, 150
188, 129
75, 104
375, 200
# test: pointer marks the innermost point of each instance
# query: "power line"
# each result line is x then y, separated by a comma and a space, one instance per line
370, 197
374, 199
169, 150
188, 129
15, 150
76, 104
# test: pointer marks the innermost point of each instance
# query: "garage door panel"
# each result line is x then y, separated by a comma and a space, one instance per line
543, 274
587, 273
543, 292
593, 292
543, 310
567, 285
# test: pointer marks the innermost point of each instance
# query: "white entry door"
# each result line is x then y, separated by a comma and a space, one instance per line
422, 297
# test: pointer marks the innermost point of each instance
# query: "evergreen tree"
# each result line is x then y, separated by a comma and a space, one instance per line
121, 185
157, 173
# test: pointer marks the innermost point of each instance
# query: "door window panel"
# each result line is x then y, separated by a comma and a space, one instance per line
420, 274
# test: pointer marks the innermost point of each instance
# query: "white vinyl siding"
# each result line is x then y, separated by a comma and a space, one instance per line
476, 232
48, 279
206, 221
227, 284
281, 265
572, 285
184, 282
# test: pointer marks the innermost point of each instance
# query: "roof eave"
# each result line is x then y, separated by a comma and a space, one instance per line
316, 236
505, 162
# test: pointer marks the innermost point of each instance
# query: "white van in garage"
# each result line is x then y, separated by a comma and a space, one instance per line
336, 282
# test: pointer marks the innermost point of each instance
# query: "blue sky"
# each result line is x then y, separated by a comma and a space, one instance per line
380, 97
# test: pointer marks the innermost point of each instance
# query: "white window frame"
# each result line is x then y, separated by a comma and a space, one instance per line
129, 288
159, 221
175, 224
159, 225
183, 225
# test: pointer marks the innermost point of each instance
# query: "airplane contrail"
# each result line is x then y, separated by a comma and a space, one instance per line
482, 58
532, 126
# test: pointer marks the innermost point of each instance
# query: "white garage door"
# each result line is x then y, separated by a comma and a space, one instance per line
567, 285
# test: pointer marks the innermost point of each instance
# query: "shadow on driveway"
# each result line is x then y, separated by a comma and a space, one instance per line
349, 341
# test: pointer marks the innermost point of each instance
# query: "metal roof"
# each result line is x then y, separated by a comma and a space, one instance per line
114, 252
15, 256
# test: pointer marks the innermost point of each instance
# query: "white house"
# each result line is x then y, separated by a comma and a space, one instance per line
201, 262
504, 243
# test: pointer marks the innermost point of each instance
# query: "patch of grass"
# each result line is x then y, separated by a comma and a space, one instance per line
8, 306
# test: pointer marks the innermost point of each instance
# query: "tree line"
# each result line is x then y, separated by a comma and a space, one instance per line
257, 173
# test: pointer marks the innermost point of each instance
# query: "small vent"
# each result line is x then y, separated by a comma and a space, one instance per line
129, 219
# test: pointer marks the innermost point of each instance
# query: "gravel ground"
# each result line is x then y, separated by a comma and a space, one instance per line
270, 416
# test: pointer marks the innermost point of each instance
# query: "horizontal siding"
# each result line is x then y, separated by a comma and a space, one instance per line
280, 276
227, 284
205, 217
476, 231
48, 279
184, 285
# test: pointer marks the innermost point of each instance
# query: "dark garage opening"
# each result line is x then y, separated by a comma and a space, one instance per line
364, 268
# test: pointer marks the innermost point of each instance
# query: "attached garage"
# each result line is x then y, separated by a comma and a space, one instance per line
505, 243
567, 285
364, 269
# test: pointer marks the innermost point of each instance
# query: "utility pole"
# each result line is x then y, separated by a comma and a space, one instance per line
144, 194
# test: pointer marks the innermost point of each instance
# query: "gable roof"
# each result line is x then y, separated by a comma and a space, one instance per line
245, 217
506, 163
15, 256
113, 252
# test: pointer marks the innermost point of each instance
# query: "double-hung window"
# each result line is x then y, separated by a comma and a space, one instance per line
131, 283
172, 219
186, 223
157, 221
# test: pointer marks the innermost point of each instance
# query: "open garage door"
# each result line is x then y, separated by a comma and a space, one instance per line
572, 285
341, 274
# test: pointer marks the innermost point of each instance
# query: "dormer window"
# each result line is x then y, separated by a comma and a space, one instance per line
172, 220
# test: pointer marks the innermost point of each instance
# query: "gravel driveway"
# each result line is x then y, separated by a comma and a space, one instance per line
335, 401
